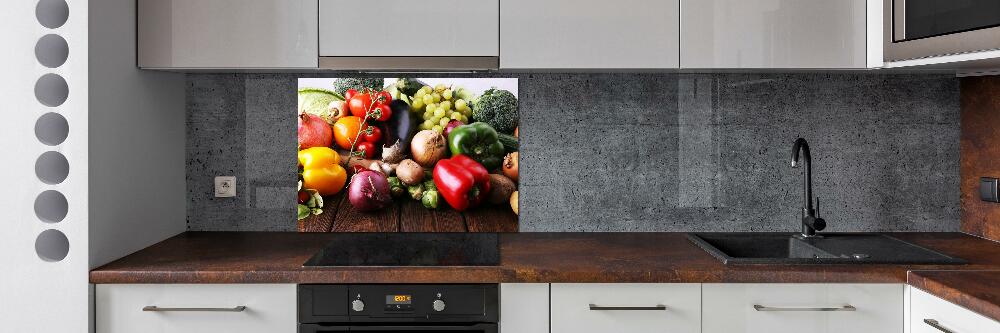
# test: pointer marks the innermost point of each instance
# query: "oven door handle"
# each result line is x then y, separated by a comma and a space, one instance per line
485, 328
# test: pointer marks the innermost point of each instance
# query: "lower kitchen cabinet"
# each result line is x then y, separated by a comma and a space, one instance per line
524, 308
190, 308
625, 308
802, 308
930, 314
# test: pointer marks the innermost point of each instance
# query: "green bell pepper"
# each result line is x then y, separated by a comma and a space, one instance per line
478, 141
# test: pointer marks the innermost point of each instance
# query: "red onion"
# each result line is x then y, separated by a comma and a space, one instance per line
369, 191
451, 125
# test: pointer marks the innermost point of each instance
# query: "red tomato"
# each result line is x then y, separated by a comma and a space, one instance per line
366, 149
303, 197
383, 97
382, 112
371, 134
360, 104
349, 93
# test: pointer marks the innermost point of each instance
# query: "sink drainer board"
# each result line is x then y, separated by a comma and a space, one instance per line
831, 248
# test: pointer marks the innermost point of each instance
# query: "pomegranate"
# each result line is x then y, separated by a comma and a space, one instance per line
314, 132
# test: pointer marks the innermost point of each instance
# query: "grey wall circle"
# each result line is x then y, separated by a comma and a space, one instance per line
51, 128
51, 206
51, 90
51, 51
52, 13
52, 167
52, 245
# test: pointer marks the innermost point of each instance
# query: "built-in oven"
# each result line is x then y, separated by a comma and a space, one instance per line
387, 308
916, 29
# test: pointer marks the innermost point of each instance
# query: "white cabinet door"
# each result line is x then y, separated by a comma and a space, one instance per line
588, 34
802, 308
930, 314
625, 308
269, 308
227, 33
524, 308
407, 28
773, 34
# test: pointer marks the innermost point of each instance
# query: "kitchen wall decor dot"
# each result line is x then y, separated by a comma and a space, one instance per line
51, 50
51, 129
52, 245
52, 13
52, 167
51, 206
51, 90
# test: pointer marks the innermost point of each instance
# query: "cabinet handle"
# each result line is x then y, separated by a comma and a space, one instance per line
595, 307
848, 307
935, 324
159, 309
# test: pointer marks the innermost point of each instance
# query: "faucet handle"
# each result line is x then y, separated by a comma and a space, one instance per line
817, 206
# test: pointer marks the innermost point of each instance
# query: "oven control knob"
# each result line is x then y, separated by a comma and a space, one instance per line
358, 305
438, 305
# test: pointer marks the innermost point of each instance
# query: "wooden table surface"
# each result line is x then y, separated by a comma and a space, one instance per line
407, 215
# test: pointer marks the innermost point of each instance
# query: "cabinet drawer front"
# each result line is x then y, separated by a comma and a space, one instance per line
623, 307
195, 308
406, 28
944, 314
819, 308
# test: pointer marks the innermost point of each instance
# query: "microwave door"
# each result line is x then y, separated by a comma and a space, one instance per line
916, 29
916, 19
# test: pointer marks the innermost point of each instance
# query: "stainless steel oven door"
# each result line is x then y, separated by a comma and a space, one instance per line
474, 328
914, 29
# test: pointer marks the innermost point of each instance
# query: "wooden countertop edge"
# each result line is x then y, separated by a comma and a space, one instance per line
928, 281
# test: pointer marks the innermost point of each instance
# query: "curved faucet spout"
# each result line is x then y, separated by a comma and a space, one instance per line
810, 222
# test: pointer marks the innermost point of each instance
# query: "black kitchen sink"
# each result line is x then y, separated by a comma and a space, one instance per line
832, 248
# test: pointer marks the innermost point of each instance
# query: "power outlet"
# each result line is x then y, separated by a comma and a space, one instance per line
225, 187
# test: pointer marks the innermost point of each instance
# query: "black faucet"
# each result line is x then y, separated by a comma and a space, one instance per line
810, 221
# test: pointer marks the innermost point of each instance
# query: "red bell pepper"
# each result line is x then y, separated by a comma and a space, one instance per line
462, 181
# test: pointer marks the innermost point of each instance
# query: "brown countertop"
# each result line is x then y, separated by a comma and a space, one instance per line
269, 257
975, 290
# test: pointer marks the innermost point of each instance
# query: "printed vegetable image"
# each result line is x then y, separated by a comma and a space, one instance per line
323, 103
497, 108
510, 166
369, 191
321, 170
346, 130
341, 85
314, 132
407, 154
462, 181
478, 141
428, 147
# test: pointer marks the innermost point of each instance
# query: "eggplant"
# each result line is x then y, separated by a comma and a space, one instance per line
402, 125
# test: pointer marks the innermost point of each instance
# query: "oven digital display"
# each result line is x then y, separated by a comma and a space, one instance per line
398, 299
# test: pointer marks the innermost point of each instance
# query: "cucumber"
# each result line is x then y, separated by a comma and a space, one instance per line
509, 142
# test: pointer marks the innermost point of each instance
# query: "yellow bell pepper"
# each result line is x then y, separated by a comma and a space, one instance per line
321, 170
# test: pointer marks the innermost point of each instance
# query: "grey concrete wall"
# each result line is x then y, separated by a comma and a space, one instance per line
640, 152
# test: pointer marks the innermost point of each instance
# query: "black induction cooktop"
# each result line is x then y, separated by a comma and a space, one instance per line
409, 249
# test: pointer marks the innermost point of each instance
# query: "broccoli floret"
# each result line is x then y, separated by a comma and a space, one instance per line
498, 108
358, 83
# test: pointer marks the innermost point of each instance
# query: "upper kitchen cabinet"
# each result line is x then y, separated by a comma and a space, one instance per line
780, 34
406, 34
589, 34
193, 34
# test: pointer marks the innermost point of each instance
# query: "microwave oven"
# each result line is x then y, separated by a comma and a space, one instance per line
915, 29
